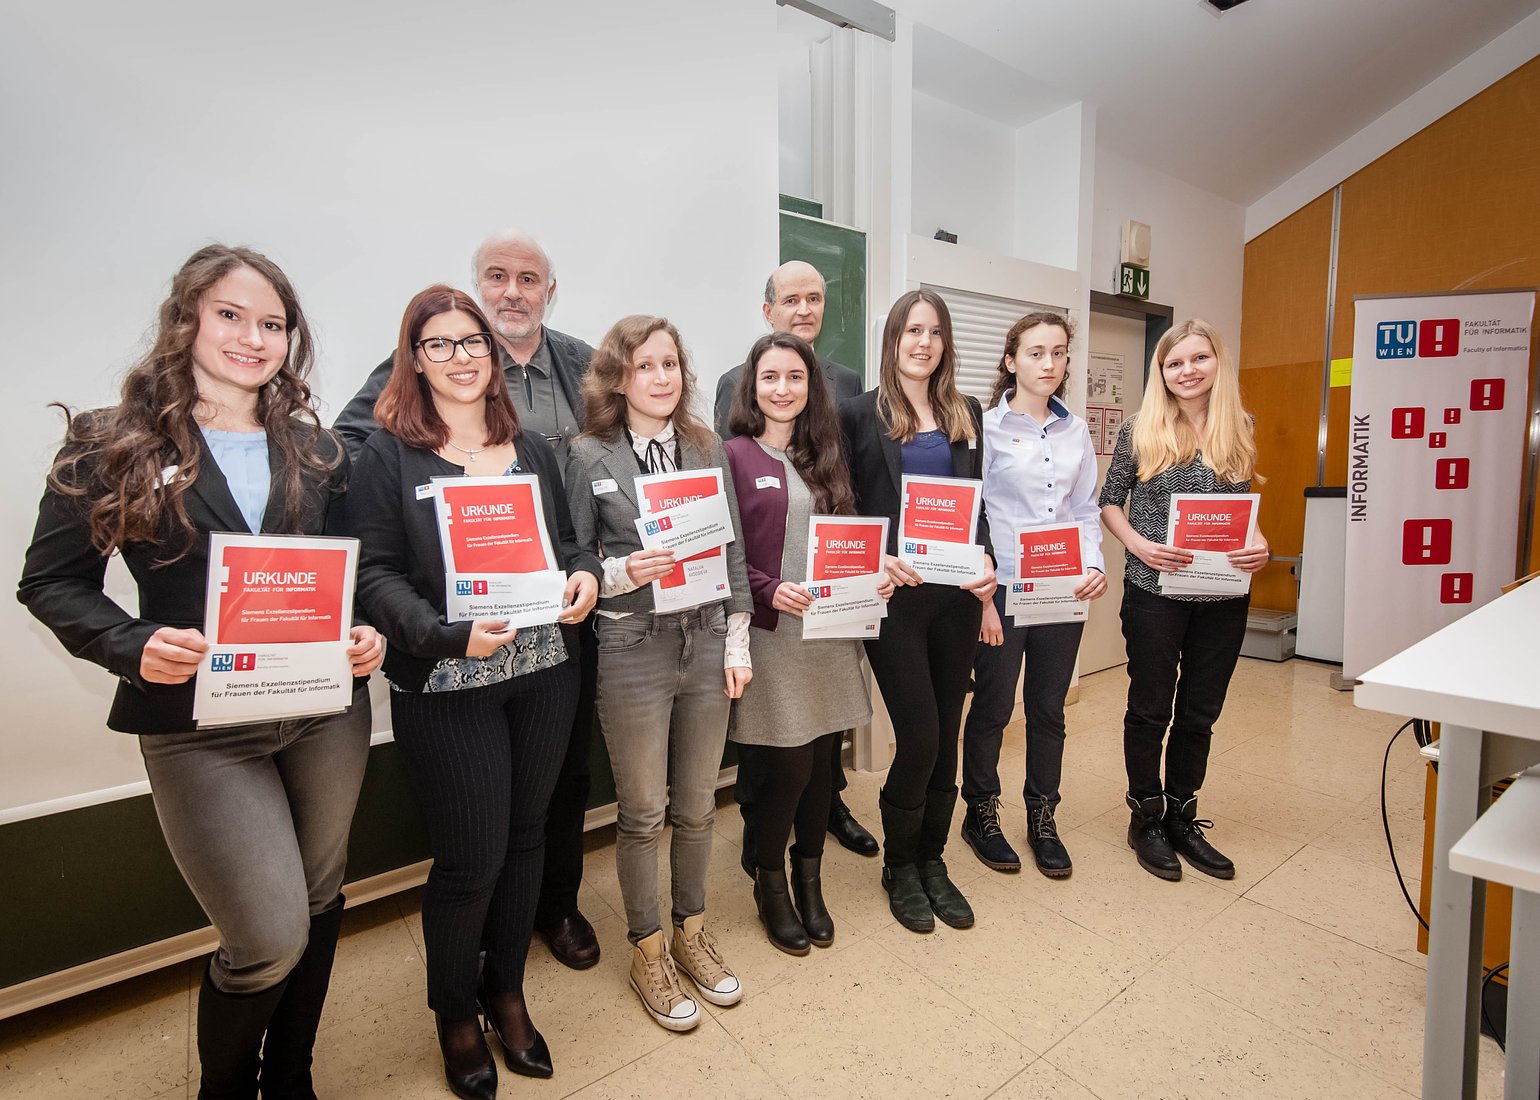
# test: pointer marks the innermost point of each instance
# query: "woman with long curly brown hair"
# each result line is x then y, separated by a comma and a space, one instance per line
788, 466
215, 431
665, 678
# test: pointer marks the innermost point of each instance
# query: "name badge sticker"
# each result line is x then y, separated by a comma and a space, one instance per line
767, 482
605, 485
424, 491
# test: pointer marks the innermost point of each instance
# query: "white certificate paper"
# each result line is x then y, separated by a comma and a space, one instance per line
1211, 525
1049, 568
277, 620
498, 561
936, 520
688, 529
844, 569
699, 578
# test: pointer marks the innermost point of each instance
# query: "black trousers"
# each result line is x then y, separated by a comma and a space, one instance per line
1048, 651
921, 662
753, 761
793, 793
482, 763
563, 873
1181, 654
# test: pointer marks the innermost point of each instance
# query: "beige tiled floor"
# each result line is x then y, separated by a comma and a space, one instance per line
1298, 979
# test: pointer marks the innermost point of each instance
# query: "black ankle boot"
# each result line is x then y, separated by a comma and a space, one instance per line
1147, 837
288, 1051
946, 900
230, 1029
807, 892
981, 832
900, 877
1043, 838
781, 922
470, 1071
1185, 832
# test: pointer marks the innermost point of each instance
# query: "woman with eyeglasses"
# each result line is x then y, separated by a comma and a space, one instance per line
215, 431
481, 711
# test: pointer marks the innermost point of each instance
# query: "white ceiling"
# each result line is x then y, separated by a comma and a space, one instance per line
1235, 104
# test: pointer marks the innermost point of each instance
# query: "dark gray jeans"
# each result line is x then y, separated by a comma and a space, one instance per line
257, 819
663, 711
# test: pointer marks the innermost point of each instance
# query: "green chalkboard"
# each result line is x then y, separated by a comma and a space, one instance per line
839, 253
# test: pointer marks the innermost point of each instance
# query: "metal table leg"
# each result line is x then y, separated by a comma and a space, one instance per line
1449, 1044
1521, 1081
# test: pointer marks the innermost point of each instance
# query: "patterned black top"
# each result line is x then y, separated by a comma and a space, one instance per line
1148, 504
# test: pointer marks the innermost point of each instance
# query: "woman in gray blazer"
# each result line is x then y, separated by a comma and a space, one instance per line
666, 679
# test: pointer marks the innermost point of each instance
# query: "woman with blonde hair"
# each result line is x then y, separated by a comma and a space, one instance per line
1191, 435
666, 679
916, 422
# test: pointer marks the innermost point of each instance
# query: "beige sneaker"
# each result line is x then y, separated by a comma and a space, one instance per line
697, 955
656, 983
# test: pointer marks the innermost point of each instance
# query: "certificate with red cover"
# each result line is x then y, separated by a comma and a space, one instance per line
1049, 568
699, 578
1210, 525
277, 617
498, 560
936, 519
844, 571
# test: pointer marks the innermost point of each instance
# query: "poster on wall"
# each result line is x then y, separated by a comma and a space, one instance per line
1436, 434
1104, 379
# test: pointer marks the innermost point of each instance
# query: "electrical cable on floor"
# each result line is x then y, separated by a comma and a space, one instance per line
1385, 819
1485, 981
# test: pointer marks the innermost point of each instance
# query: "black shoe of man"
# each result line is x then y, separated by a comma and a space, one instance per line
848, 831
572, 941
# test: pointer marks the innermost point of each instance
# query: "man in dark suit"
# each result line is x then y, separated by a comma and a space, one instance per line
544, 368
794, 303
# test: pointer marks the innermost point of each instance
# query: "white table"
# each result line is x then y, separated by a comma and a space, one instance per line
1480, 678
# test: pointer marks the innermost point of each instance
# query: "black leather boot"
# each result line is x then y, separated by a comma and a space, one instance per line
1048, 850
286, 1056
230, 1029
946, 900
1147, 837
807, 892
746, 852
1184, 830
900, 877
781, 922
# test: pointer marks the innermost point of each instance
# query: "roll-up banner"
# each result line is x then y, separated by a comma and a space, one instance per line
1436, 440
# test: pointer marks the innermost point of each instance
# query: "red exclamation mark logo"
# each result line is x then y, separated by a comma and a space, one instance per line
1455, 587
1406, 423
1427, 541
1438, 339
1486, 394
1452, 473
1451, 416
1438, 439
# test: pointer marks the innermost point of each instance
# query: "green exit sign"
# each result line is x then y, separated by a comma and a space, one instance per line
1134, 280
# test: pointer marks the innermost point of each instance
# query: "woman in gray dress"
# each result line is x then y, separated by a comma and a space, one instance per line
787, 465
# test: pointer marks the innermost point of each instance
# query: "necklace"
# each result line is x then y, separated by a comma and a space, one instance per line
465, 450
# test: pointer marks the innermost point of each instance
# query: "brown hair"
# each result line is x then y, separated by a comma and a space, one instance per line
112, 458
947, 404
817, 449
405, 406
610, 370
1005, 377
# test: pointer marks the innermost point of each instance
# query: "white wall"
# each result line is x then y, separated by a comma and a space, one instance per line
1047, 175
1197, 248
964, 168
367, 156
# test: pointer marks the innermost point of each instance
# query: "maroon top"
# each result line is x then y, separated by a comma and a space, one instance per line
762, 513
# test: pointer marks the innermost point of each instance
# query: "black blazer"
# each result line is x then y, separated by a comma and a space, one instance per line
401, 565
61, 581
876, 464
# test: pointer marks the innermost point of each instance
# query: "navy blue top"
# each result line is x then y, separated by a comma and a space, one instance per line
929, 454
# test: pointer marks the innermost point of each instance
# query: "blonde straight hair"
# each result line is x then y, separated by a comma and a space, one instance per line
1163, 437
